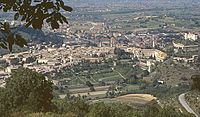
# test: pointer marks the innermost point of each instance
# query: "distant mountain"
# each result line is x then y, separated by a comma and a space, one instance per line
38, 36
151, 3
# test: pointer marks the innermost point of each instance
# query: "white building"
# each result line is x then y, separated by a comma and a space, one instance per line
191, 36
147, 53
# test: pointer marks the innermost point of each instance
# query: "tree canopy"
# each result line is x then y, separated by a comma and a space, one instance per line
196, 82
27, 90
34, 13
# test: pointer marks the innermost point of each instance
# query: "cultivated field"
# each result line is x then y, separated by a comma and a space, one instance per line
136, 98
130, 99
95, 93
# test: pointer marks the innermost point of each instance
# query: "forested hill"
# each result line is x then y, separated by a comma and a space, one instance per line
38, 36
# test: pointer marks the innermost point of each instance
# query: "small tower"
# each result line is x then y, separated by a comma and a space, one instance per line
114, 63
149, 66
153, 43
100, 44
111, 42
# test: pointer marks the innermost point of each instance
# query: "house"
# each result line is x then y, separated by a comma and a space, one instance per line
191, 36
147, 53
28, 59
53, 62
42, 61
11, 68
2, 83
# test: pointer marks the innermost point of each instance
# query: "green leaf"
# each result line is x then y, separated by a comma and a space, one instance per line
64, 19
21, 11
5, 9
62, 3
15, 7
48, 5
67, 8
10, 40
16, 16
7, 27
3, 46
24, 17
20, 41
57, 16
48, 20
29, 17
28, 23
37, 23
10, 47
39, 13
4, 1
54, 24
60, 20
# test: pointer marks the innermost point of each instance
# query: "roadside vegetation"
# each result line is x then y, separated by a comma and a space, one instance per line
193, 96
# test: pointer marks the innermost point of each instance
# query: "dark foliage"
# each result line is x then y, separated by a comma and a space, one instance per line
196, 82
26, 90
34, 13
121, 54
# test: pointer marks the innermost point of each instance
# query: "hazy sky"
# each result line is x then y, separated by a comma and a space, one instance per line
78, 3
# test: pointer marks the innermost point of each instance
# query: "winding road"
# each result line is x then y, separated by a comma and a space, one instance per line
183, 102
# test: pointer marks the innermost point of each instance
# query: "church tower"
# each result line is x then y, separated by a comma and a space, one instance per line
153, 43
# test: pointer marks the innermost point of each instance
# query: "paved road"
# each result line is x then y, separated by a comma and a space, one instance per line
183, 102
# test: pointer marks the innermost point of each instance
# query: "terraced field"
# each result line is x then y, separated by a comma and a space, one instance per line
135, 98
131, 99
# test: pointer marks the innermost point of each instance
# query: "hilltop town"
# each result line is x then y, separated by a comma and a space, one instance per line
97, 45
133, 54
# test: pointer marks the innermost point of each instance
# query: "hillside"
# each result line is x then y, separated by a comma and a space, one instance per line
193, 99
173, 73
